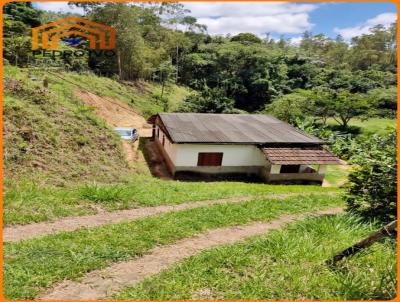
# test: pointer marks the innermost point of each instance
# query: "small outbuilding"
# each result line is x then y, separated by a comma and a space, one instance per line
240, 144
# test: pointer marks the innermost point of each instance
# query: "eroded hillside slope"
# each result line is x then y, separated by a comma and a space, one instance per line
52, 136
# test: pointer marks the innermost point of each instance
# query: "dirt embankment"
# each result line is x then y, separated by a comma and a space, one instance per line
117, 114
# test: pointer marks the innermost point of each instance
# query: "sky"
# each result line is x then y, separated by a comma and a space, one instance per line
288, 19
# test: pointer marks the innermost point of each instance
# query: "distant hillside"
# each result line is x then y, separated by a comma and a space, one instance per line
52, 137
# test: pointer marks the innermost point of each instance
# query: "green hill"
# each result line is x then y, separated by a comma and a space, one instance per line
50, 134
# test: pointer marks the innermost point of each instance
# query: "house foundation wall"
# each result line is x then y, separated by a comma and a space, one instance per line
294, 178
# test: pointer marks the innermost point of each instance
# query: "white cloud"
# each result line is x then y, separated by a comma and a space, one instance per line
349, 32
224, 18
58, 7
255, 17
283, 23
234, 9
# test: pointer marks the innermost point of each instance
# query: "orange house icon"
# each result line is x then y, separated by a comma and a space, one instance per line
99, 35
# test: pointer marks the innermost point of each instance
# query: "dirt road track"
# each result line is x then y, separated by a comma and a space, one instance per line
68, 224
100, 284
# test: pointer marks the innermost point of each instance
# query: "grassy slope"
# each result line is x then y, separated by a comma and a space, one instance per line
52, 140
286, 264
142, 96
50, 137
32, 265
52, 133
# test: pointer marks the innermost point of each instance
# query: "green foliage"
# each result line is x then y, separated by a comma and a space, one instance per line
372, 191
384, 101
23, 12
346, 105
250, 74
291, 107
210, 100
19, 17
246, 38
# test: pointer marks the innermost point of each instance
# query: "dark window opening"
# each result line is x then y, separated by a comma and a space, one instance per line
163, 140
210, 159
290, 168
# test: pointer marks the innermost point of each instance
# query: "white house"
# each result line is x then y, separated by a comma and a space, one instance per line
250, 144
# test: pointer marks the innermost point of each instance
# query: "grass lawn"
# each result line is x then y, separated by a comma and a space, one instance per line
28, 202
32, 265
372, 125
285, 264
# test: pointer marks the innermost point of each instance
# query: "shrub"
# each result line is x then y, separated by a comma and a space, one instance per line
372, 189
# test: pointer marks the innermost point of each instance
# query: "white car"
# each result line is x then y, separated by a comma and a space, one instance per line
127, 133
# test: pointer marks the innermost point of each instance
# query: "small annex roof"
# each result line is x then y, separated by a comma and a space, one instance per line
299, 156
254, 129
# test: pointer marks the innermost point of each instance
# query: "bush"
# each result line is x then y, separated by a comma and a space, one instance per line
372, 189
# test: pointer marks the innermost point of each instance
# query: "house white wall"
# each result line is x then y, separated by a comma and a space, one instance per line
186, 155
233, 155
169, 147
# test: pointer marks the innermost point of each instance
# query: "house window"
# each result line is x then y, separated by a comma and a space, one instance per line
210, 159
163, 140
158, 132
290, 168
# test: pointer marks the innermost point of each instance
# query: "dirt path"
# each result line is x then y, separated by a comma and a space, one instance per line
117, 114
100, 284
22, 232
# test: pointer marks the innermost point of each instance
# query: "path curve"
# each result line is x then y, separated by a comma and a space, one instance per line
100, 284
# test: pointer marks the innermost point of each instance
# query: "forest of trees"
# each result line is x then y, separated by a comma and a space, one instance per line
319, 79
162, 42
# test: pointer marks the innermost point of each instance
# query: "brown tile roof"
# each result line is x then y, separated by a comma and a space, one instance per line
232, 129
297, 156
